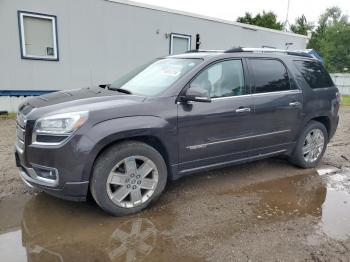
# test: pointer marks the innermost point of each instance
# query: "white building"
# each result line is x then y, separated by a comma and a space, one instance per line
64, 44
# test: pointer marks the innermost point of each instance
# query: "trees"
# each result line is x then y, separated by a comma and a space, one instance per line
332, 39
327, 19
301, 26
266, 19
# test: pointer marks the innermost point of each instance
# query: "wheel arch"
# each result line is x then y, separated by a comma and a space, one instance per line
150, 140
325, 120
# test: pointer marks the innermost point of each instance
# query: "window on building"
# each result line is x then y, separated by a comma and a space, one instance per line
179, 43
269, 75
222, 79
314, 74
38, 35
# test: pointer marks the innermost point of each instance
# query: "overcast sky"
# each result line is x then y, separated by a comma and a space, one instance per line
231, 9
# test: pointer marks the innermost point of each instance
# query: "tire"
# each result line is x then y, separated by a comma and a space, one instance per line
127, 189
308, 160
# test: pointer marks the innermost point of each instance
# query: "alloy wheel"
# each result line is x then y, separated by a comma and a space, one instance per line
132, 181
313, 145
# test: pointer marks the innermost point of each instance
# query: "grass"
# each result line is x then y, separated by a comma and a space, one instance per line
8, 116
345, 100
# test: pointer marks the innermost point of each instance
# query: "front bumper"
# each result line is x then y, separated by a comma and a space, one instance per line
75, 191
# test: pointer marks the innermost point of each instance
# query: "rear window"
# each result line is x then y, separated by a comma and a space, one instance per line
314, 74
269, 76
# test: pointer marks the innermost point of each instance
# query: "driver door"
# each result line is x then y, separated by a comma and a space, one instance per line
213, 133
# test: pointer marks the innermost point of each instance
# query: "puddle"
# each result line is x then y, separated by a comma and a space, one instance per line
291, 196
327, 197
335, 220
188, 224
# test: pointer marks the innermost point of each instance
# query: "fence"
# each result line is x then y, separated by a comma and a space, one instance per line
342, 81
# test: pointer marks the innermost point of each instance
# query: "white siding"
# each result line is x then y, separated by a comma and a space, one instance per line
342, 81
100, 40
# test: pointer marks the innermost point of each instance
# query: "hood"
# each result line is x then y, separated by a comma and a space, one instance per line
78, 98
71, 95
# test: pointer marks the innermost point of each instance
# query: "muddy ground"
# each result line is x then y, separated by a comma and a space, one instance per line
262, 211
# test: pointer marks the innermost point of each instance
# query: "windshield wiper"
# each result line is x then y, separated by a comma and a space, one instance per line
121, 90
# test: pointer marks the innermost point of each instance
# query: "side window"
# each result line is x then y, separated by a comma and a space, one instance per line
222, 79
269, 75
314, 74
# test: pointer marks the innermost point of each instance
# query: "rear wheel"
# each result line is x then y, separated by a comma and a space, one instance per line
128, 177
310, 146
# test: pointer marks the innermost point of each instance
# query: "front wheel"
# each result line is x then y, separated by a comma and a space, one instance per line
310, 146
127, 177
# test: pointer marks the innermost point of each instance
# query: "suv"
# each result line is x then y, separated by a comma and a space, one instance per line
175, 116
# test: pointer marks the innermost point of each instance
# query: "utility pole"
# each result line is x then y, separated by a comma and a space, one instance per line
286, 23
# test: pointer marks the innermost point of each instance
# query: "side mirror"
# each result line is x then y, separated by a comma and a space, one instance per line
196, 94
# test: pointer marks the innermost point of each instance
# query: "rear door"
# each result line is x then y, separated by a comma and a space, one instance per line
278, 104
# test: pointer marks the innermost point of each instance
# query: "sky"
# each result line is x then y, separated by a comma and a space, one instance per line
231, 9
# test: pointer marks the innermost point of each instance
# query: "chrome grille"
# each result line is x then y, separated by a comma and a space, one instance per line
20, 132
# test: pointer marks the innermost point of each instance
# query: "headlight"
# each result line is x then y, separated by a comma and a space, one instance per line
54, 129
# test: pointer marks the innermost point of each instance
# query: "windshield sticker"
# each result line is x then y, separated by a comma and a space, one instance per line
172, 70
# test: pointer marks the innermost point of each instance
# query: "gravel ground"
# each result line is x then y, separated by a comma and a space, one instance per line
11, 183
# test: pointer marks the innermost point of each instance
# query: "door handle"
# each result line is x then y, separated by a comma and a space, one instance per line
294, 104
242, 109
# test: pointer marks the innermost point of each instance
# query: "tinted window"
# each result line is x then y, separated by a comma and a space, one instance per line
269, 76
222, 79
314, 74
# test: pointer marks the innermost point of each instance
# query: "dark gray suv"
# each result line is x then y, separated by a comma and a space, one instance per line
175, 116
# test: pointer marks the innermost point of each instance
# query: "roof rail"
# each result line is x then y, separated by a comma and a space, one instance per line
269, 50
205, 51
303, 53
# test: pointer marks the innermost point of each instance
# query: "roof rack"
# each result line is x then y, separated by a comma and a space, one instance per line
205, 51
269, 50
303, 53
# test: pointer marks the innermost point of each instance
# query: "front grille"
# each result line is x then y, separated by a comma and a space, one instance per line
20, 132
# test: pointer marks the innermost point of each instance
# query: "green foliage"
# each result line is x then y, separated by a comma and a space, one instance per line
266, 19
335, 47
332, 40
8, 116
345, 100
301, 26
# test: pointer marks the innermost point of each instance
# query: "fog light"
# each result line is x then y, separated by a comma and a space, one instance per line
46, 173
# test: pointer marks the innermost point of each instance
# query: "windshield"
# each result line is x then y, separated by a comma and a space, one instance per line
152, 79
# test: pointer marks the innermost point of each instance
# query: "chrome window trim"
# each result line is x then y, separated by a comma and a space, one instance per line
226, 97
235, 139
293, 91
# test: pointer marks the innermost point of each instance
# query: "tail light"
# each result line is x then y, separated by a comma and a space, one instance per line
338, 97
